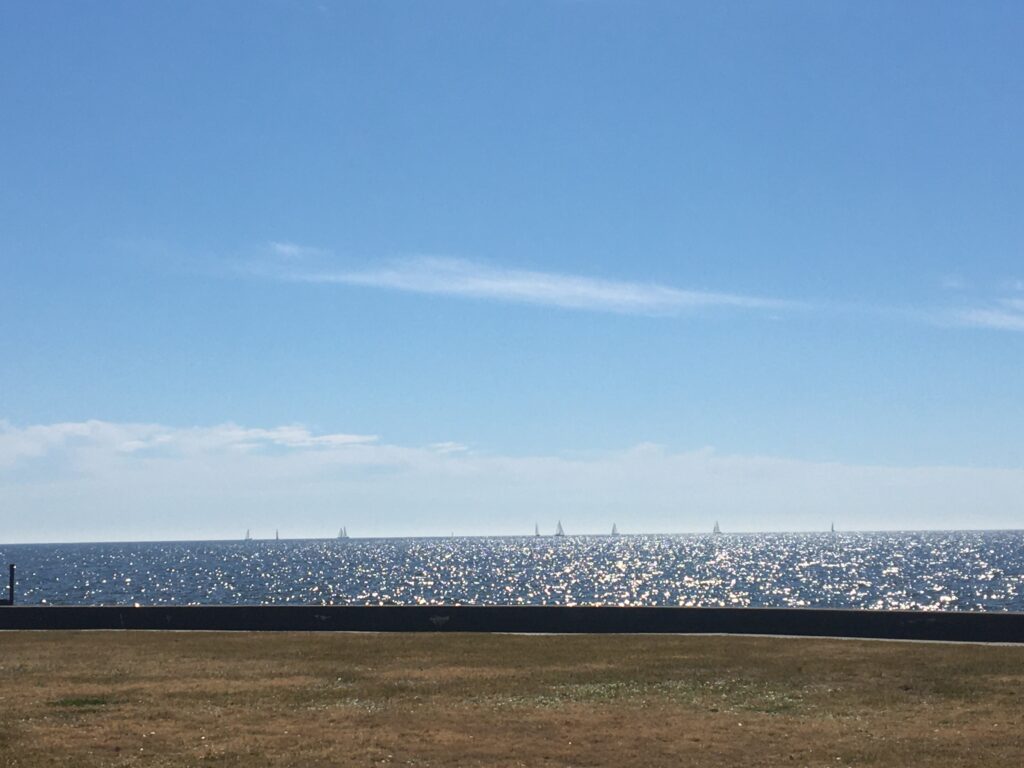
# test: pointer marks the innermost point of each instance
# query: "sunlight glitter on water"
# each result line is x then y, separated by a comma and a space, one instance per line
961, 571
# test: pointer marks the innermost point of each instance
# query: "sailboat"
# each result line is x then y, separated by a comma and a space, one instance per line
343, 532
248, 535
558, 529
277, 535
716, 529
833, 529
536, 530
615, 530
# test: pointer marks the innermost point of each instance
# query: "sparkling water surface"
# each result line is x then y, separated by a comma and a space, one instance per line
954, 571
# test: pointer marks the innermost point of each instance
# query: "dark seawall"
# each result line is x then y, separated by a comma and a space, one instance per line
896, 625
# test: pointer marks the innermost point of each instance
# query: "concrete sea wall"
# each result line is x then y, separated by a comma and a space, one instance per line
901, 625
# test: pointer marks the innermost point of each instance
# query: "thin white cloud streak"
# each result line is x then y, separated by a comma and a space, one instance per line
465, 278
88, 437
470, 279
105, 481
1002, 315
294, 250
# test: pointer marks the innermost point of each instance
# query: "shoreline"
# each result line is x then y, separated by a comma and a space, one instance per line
947, 626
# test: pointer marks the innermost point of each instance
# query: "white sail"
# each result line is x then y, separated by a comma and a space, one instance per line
536, 529
558, 529
615, 530
716, 528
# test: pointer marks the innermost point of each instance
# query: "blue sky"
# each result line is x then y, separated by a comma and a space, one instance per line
723, 253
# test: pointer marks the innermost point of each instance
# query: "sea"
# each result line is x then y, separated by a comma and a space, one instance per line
928, 571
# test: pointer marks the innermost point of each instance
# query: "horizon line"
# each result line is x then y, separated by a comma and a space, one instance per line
805, 532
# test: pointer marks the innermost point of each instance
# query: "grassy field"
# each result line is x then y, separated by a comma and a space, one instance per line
180, 699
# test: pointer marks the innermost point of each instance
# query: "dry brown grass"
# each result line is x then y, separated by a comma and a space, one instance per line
192, 699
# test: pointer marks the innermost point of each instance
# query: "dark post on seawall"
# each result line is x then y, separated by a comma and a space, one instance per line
10, 587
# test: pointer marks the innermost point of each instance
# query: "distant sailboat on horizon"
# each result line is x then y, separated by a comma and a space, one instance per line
716, 529
559, 530
277, 535
615, 530
536, 530
343, 532
248, 535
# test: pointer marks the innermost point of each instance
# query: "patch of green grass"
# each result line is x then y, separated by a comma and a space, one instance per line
81, 702
719, 694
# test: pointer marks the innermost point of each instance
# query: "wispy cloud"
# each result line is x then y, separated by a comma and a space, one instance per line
953, 282
465, 278
449, 446
294, 250
475, 280
100, 480
20, 444
1002, 314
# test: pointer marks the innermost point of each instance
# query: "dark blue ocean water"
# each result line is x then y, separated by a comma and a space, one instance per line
955, 571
